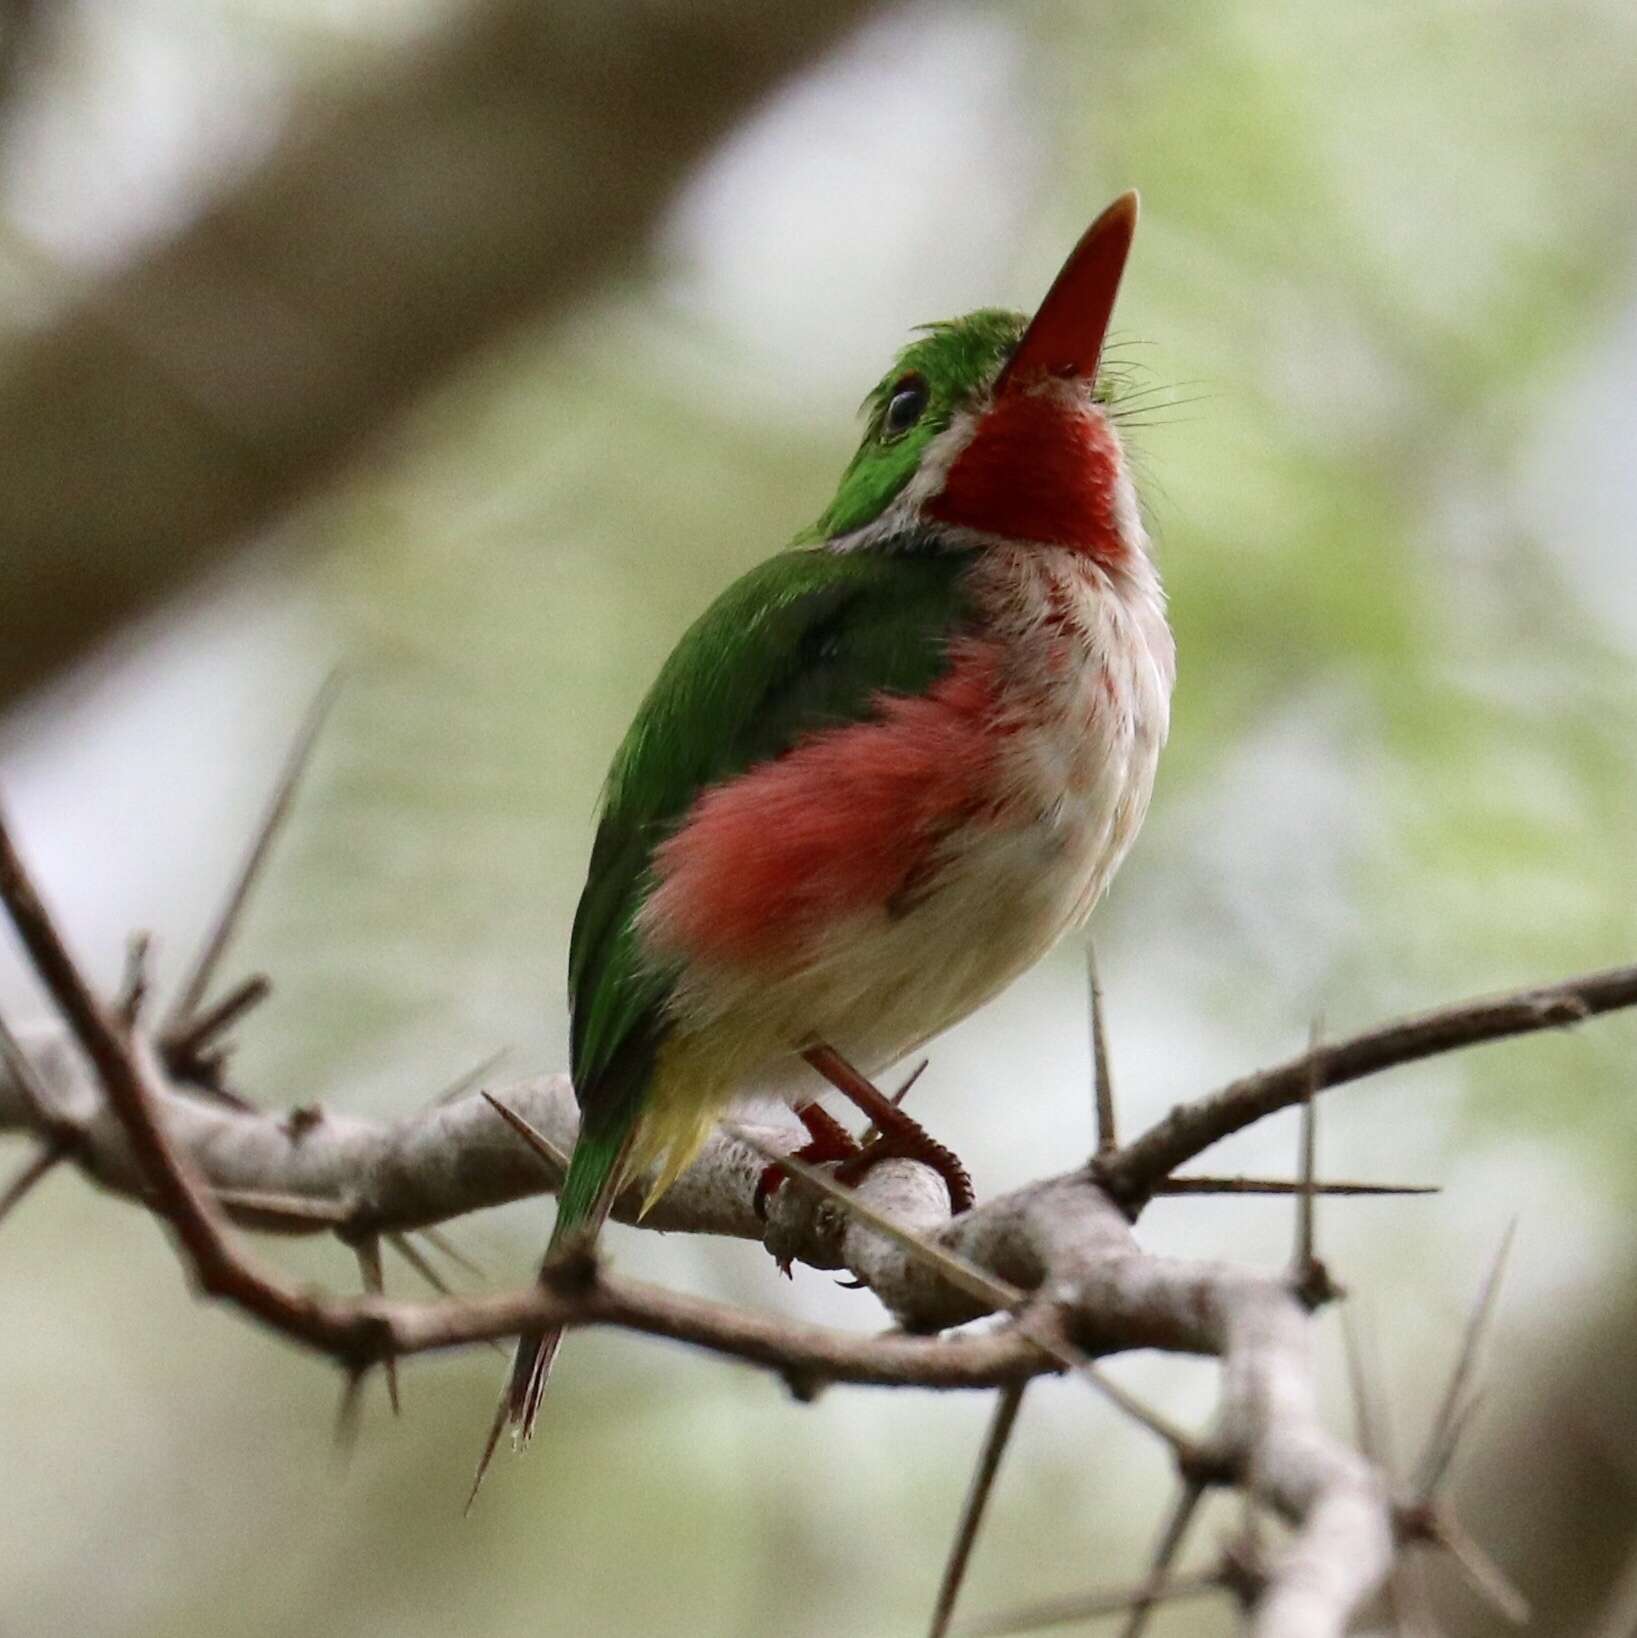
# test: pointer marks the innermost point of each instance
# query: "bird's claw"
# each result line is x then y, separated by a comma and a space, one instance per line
913, 1142
828, 1141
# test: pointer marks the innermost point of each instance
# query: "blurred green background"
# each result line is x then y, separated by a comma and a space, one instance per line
1387, 279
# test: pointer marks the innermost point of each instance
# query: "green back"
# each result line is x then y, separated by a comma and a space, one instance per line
808, 640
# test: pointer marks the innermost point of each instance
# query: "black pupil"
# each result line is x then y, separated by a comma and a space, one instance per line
905, 406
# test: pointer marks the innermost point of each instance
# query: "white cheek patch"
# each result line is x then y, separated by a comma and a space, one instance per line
903, 514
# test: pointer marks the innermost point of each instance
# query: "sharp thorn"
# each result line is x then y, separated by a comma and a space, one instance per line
465, 1082
496, 1427
872, 1131
1303, 1264
1165, 1552
197, 981
348, 1413
185, 1048
1485, 1577
32, 1172
440, 1242
1439, 1457
536, 1140
1090, 1605
1465, 1362
908, 1083
999, 1433
213, 1092
1286, 1185
52, 1126
368, 1253
1102, 1079
1366, 1428
411, 1254
133, 986
283, 1209
1185, 1448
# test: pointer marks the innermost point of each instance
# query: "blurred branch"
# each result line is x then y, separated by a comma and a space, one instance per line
1059, 1255
493, 174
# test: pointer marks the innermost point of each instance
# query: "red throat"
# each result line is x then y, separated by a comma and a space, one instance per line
1038, 469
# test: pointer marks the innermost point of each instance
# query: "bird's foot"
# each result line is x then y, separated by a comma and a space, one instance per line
828, 1141
902, 1137
914, 1142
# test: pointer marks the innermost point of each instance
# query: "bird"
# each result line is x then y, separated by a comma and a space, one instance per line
882, 774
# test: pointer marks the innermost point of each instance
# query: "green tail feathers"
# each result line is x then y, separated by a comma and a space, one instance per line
593, 1182
588, 1195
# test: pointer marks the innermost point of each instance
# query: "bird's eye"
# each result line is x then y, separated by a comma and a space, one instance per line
905, 407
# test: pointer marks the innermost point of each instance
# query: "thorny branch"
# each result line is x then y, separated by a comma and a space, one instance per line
94, 1088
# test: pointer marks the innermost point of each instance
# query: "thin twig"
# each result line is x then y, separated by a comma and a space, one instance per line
178, 1194
273, 818
995, 1439
790, 1348
411, 1254
1193, 1127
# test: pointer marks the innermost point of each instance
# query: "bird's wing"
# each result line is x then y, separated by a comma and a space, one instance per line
809, 640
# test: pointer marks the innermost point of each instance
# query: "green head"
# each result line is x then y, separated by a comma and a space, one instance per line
994, 423
949, 367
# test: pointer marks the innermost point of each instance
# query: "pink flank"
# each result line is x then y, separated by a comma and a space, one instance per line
849, 820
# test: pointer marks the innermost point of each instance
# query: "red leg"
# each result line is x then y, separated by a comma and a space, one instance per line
902, 1137
830, 1140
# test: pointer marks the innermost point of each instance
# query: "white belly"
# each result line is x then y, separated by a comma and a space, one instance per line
1085, 707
